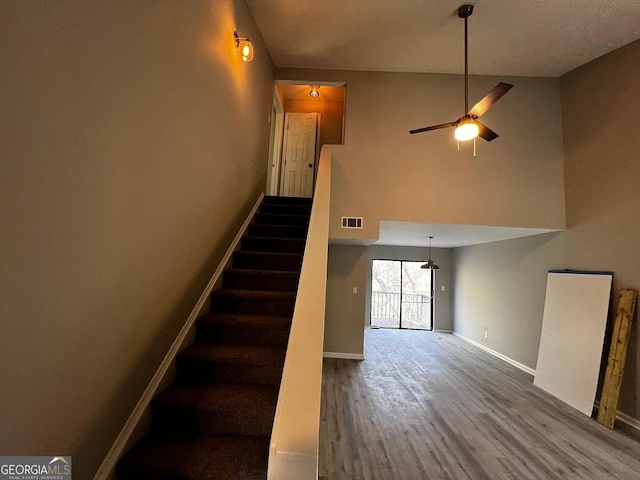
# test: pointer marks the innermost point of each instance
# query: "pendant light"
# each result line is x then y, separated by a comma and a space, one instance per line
430, 265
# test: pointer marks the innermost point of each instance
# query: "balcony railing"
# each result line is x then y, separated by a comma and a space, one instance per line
385, 310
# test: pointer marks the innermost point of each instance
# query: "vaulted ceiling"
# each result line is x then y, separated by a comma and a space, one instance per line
507, 37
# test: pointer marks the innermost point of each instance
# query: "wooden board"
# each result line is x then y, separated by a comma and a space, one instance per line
573, 328
617, 357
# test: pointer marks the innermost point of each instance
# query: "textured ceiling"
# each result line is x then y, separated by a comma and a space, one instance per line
507, 37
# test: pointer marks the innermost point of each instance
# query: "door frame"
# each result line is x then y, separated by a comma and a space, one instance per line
275, 144
433, 297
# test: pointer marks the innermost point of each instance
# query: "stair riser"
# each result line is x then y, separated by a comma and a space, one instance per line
285, 209
195, 372
260, 282
270, 219
277, 231
188, 422
251, 305
256, 244
289, 263
287, 201
242, 336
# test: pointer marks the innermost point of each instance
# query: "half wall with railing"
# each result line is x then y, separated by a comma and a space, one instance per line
293, 453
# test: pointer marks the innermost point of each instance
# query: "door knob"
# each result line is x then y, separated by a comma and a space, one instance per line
310, 165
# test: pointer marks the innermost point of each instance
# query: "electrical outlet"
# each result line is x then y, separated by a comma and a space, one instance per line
486, 334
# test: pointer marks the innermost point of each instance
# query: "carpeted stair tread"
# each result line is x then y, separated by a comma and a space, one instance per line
248, 279
268, 261
281, 219
247, 364
252, 243
285, 209
201, 457
215, 408
266, 322
280, 231
287, 200
255, 294
243, 329
234, 354
217, 397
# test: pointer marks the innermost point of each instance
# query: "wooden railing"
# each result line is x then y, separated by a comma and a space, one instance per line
293, 452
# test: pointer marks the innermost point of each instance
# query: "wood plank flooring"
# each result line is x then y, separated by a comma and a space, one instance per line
427, 405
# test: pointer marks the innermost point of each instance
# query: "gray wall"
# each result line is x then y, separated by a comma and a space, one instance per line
134, 143
501, 286
345, 314
443, 318
516, 181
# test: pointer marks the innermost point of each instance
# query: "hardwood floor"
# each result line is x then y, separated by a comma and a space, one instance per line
427, 405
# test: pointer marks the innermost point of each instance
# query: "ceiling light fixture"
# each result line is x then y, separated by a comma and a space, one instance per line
244, 47
430, 265
314, 92
468, 127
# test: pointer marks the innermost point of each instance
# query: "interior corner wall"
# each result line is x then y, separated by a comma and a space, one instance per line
382, 173
501, 286
344, 312
124, 178
443, 307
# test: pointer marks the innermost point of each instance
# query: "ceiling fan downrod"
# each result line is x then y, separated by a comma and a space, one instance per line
465, 12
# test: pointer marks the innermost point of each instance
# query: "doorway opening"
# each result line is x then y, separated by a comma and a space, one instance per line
401, 295
301, 125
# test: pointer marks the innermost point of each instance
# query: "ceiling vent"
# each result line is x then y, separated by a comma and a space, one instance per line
352, 222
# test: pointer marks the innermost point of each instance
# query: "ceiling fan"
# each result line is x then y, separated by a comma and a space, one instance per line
468, 126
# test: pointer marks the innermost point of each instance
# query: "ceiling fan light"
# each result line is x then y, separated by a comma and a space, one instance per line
466, 131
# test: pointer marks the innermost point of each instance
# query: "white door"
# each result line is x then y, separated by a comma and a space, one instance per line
299, 154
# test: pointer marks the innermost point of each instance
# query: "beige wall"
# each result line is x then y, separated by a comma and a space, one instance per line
443, 316
501, 286
134, 142
331, 113
345, 314
383, 173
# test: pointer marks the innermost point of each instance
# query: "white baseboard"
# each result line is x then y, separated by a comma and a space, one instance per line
437, 330
344, 356
632, 424
519, 365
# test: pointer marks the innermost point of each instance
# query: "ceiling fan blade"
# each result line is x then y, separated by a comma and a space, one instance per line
486, 132
490, 98
433, 127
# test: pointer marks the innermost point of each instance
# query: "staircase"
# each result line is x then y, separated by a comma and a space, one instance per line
215, 421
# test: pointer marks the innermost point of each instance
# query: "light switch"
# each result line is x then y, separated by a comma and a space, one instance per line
442, 288
355, 290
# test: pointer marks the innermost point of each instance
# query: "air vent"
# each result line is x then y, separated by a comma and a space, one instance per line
352, 222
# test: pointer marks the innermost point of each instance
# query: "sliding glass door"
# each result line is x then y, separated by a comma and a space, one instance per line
401, 295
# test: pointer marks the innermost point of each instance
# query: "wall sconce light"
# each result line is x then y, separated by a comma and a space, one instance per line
244, 47
314, 92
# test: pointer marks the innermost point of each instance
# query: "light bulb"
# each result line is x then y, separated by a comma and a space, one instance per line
315, 92
244, 48
466, 131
